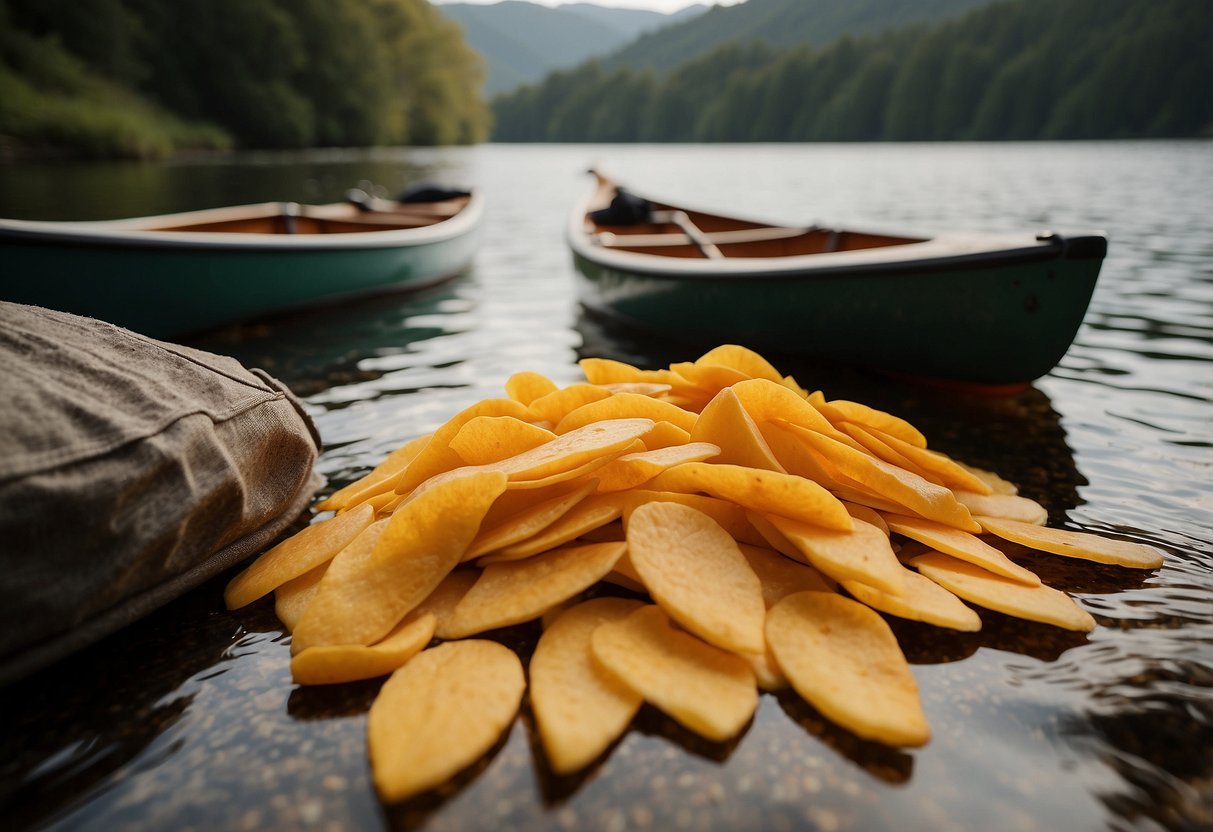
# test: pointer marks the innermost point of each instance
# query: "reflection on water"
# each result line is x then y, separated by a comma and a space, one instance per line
197, 724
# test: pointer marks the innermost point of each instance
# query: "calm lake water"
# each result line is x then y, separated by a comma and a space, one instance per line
189, 720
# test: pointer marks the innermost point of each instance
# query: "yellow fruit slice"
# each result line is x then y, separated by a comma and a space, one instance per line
994, 592
961, 545
1003, 506
292, 598
768, 492
527, 386
843, 659
708, 690
339, 663
362, 597
921, 599
439, 713
1075, 544
626, 406
743, 359
726, 424
863, 554
315, 545
922, 497
635, 469
781, 576
695, 572
580, 709
514, 592
488, 439
528, 522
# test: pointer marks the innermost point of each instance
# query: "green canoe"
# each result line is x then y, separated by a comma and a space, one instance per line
176, 274
981, 309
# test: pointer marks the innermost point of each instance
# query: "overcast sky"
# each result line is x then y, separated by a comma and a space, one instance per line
655, 5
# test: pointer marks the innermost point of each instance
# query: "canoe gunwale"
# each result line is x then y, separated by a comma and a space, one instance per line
955, 251
133, 233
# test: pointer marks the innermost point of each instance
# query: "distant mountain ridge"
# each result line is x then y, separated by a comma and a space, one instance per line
521, 42
779, 23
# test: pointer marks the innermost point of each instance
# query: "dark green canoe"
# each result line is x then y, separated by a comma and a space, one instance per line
172, 275
983, 309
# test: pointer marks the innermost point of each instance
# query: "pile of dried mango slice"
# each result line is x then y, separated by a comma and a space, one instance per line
754, 530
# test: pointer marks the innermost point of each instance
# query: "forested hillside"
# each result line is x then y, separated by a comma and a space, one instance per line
779, 23
1024, 69
147, 77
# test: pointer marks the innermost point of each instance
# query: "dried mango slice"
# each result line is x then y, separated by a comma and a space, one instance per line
527, 386
695, 572
729, 516
440, 712
781, 576
996, 483
302, 552
634, 469
795, 458
554, 406
665, 435
1075, 544
292, 598
921, 599
773, 537
765, 400
528, 522
961, 545
644, 388
950, 473
624, 575
358, 550
442, 601
710, 378
514, 592
437, 457
574, 475
743, 359
574, 449
626, 406
380, 475
488, 439
609, 371
841, 410
843, 659
767, 672
708, 690
769, 492
879, 448
725, 423
515, 500
580, 709
1033, 603
862, 554
852, 492
361, 598
922, 497
867, 515
589, 514
1004, 507
334, 664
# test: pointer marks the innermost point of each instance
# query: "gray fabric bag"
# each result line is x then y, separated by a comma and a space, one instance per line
131, 470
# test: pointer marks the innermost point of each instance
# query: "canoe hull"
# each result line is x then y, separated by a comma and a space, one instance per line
982, 323
162, 293
172, 285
